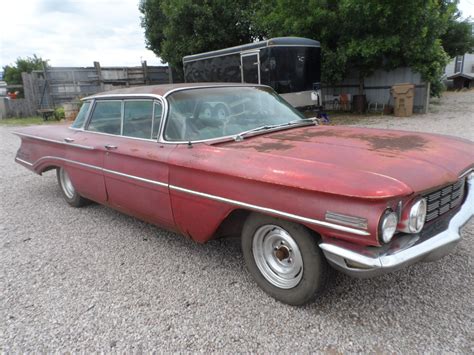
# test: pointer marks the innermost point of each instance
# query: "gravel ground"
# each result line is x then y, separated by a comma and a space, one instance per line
94, 279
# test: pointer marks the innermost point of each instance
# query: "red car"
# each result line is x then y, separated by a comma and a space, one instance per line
213, 160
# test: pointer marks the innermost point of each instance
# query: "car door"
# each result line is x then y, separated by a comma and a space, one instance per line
136, 165
84, 158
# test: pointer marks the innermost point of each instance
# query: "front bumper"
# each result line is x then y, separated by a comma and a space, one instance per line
362, 261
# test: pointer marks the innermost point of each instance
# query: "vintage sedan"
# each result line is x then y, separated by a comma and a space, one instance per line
213, 160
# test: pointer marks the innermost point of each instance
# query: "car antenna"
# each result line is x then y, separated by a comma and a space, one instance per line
190, 145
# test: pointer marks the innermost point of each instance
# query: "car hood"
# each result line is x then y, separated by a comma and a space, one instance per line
363, 162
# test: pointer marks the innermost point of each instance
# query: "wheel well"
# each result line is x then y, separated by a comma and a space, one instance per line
232, 225
48, 168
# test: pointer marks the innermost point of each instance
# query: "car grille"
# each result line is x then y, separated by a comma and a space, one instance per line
443, 200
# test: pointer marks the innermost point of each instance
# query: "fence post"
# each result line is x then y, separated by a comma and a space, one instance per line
145, 72
99, 75
427, 102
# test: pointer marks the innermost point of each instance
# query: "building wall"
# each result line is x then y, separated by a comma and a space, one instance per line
467, 68
377, 87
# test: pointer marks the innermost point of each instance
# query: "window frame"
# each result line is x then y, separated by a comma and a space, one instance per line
86, 127
153, 99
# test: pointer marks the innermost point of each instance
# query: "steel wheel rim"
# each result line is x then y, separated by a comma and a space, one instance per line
277, 256
66, 183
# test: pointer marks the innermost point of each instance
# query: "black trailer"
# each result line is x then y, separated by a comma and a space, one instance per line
290, 65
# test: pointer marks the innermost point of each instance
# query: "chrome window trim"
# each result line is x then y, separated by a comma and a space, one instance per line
209, 140
125, 100
122, 114
224, 85
211, 197
156, 102
86, 120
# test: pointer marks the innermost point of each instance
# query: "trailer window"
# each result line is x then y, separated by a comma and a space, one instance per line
290, 69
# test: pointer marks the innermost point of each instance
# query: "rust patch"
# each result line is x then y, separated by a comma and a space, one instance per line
265, 147
388, 141
403, 143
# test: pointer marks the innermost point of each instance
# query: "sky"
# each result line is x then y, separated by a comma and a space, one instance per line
79, 32
74, 32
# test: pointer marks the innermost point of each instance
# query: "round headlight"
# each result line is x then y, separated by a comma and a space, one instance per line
388, 226
417, 216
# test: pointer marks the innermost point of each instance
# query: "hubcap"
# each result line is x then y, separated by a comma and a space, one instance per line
277, 256
66, 183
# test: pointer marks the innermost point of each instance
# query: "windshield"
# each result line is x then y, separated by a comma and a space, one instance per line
208, 113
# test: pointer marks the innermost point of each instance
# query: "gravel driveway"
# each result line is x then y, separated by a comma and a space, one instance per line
94, 279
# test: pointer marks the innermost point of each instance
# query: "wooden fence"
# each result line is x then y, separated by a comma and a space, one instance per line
55, 86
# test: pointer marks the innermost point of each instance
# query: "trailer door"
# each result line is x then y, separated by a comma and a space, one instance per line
250, 64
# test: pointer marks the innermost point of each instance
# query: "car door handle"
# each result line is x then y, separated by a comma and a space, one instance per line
68, 140
110, 147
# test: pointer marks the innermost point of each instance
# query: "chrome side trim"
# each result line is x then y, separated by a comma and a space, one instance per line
54, 141
270, 210
93, 167
466, 173
353, 221
209, 196
133, 177
360, 261
23, 161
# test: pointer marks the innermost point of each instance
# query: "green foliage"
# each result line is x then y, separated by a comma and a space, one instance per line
175, 28
355, 35
59, 113
12, 73
366, 35
458, 38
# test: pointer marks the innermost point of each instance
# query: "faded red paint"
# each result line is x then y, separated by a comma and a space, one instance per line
303, 171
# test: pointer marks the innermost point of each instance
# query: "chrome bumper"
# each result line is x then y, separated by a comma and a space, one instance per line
362, 261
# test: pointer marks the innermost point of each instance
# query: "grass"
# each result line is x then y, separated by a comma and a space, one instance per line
26, 121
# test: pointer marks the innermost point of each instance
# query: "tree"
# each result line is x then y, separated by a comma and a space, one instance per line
12, 73
366, 35
175, 28
458, 38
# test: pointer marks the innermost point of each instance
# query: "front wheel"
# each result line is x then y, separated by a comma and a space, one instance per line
284, 259
70, 194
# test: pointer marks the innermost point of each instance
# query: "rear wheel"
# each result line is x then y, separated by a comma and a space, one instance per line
69, 192
284, 259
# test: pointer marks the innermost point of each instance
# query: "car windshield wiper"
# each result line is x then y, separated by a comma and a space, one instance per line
241, 135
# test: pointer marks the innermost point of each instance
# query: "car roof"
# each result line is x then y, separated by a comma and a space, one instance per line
161, 90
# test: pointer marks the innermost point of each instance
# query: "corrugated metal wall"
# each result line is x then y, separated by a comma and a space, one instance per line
377, 87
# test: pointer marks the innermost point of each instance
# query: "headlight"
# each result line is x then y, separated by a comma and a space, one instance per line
388, 226
417, 216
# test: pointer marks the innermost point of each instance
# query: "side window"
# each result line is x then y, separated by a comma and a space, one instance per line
157, 120
107, 117
81, 116
137, 118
